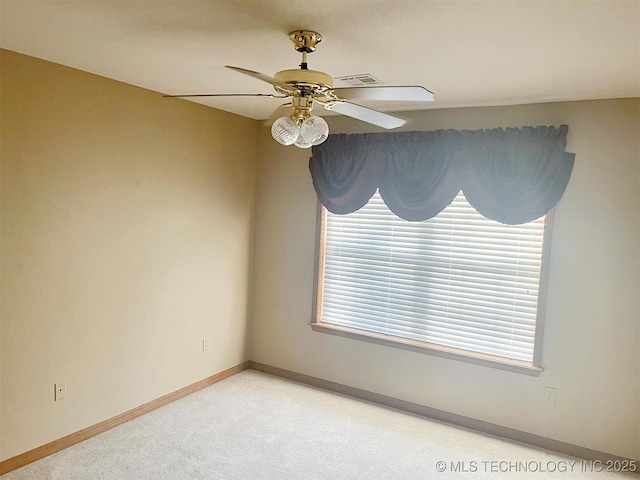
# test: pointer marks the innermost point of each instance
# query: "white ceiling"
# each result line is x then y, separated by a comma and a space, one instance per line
469, 53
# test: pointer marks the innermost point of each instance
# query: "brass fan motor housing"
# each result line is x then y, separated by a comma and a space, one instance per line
311, 81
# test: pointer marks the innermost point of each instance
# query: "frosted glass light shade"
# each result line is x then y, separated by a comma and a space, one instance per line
314, 130
302, 142
285, 131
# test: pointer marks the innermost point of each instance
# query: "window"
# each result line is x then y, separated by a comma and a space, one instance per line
457, 285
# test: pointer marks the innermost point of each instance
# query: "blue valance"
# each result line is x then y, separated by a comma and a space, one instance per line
513, 176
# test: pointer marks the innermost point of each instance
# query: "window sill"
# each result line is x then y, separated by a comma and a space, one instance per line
430, 349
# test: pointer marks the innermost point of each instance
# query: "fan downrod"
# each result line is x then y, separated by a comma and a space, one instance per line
305, 82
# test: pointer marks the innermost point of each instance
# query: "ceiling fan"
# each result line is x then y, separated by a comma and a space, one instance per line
305, 87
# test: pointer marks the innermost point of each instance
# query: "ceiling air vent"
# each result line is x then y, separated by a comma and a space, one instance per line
359, 80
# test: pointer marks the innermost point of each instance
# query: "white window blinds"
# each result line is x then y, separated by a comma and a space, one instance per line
457, 280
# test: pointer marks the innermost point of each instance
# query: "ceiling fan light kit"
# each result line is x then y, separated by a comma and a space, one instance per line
312, 131
306, 87
301, 128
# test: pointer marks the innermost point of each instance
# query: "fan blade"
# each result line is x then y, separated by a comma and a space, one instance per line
226, 95
399, 94
259, 76
368, 115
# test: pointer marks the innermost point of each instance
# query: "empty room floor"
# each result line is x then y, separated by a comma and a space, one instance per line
257, 426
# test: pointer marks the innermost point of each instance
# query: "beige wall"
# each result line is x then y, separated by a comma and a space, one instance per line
126, 236
591, 340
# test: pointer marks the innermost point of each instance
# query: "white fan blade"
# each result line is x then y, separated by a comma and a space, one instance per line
389, 93
259, 76
188, 95
368, 115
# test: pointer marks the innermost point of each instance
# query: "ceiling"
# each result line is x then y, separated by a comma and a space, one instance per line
469, 53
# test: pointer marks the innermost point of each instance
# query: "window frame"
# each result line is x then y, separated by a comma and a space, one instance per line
517, 366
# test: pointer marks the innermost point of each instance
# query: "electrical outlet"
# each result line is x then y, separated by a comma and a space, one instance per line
205, 344
550, 395
60, 391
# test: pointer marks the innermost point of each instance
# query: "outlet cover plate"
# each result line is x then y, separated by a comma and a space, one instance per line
550, 395
60, 391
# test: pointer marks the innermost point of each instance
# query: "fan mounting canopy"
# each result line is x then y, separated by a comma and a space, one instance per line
305, 40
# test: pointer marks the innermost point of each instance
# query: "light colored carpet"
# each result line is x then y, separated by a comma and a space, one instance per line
255, 426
